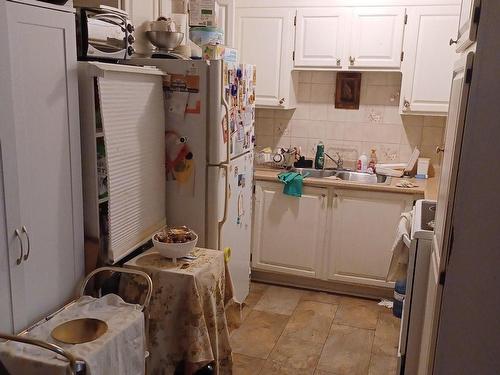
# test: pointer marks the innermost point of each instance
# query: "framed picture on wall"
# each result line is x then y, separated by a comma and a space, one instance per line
347, 90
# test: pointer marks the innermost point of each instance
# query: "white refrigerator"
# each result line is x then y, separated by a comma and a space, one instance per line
209, 138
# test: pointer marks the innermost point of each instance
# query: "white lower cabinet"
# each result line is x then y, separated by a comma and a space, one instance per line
341, 235
288, 232
361, 234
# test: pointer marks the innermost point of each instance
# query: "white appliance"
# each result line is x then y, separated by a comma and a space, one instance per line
209, 116
416, 286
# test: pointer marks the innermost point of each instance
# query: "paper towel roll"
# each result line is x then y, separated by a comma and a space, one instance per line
181, 20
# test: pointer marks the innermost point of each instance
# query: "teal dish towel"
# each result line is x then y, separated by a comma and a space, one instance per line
293, 183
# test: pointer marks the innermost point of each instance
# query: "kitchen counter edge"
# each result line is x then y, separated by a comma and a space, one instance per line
426, 188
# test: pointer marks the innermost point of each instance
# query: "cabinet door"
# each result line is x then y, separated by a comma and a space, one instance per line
377, 37
467, 26
320, 37
265, 39
428, 63
288, 231
44, 81
9, 210
362, 234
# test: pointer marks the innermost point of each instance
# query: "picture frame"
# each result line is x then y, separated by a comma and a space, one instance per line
347, 90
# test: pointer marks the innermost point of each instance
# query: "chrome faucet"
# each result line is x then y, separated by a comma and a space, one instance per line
339, 162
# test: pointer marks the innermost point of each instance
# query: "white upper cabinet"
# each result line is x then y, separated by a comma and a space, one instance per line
428, 63
320, 37
265, 39
376, 37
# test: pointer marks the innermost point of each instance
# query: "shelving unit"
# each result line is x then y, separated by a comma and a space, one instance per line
120, 214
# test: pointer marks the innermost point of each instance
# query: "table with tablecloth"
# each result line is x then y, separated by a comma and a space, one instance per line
187, 321
119, 351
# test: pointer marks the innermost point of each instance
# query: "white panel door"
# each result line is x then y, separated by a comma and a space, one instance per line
265, 39
362, 234
320, 37
289, 231
43, 59
377, 37
428, 64
452, 148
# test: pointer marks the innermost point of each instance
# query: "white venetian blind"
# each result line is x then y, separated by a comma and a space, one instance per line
134, 127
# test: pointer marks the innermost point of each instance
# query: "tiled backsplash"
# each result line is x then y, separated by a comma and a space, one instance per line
377, 124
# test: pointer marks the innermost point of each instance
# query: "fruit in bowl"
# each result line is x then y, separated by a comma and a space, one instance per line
175, 242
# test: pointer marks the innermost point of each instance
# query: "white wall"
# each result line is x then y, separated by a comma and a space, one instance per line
377, 124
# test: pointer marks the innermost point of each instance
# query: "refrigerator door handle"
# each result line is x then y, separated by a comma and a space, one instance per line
226, 108
226, 204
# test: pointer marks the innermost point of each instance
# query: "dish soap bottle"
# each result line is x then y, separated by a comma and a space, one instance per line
319, 160
372, 162
362, 163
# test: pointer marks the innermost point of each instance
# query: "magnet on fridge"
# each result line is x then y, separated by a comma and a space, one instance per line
234, 90
235, 171
239, 73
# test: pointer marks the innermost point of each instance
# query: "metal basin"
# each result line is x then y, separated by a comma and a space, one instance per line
366, 178
165, 40
315, 173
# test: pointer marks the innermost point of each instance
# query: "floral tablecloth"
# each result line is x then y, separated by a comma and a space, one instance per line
120, 351
187, 317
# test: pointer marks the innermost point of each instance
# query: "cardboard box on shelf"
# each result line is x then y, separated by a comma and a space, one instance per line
219, 52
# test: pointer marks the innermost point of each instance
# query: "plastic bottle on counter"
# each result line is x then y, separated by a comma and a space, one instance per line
319, 160
362, 163
372, 162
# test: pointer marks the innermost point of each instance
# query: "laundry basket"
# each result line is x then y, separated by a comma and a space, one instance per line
77, 365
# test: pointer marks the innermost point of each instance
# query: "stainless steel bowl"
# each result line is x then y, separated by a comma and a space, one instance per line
165, 40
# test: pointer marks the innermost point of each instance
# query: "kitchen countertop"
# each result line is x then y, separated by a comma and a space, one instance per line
426, 188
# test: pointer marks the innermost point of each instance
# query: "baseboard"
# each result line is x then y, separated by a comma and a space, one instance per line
357, 290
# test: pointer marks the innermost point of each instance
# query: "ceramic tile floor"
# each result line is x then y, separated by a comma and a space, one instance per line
287, 331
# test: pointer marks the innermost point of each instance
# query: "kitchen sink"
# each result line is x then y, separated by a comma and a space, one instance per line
366, 178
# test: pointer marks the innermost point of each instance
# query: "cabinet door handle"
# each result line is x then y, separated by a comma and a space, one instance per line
452, 41
352, 60
282, 100
406, 105
18, 235
338, 62
25, 231
439, 149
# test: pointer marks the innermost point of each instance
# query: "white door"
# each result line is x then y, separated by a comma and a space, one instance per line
362, 234
288, 231
265, 39
428, 63
452, 147
320, 37
236, 233
429, 332
376, 37
43, 60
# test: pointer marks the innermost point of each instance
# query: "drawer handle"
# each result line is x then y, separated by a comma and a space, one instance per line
18, 235
352, 60
25, 231
453, 41
338, 62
